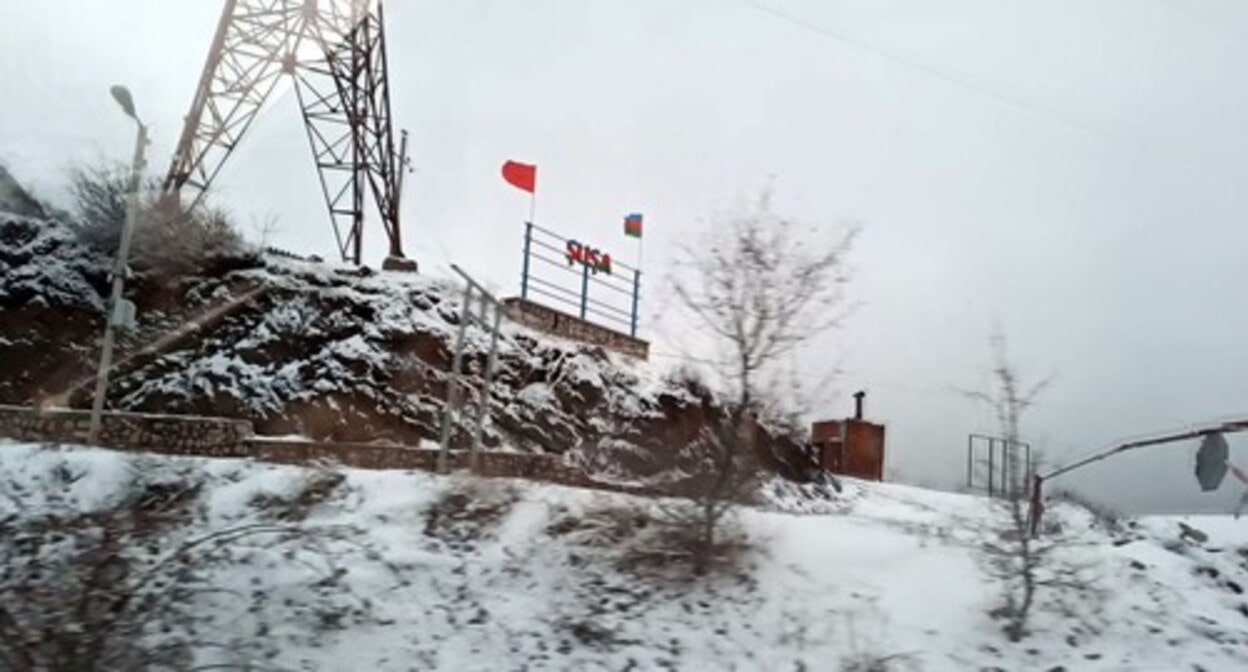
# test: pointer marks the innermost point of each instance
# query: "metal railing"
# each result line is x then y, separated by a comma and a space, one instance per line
488, 315
550, 272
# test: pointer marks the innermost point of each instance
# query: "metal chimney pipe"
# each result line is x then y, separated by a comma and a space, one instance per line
858, 396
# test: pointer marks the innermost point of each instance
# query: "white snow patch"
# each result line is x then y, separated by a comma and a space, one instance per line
883, 570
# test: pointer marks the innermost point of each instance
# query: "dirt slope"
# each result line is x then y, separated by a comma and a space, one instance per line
332, 353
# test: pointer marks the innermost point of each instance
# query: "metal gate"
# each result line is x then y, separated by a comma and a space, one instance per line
997, 466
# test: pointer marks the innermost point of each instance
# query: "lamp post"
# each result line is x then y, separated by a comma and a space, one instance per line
116, 315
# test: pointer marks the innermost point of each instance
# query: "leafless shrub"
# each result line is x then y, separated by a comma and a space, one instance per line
678, 548
102, 590
265, 229
688, 379
800, 632
169, 240
316, 487
655, 541
98, 203
1104, 515
470, 510
123, 587
722, 472
600, 527
864, 654
875, 662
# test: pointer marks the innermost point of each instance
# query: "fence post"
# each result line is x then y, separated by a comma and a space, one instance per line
1008, 456
970, 454
524, 274
584, 289
452, 390
1036, 509
636, 289
1029, 470
992, 448
483, 404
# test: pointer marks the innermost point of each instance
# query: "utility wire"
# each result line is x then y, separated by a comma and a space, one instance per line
1230, 31
1032, 107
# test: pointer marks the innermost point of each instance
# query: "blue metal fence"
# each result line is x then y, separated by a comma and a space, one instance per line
566, 272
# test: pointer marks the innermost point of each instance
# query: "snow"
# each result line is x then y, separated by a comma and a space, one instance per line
319, 306
883, 570
282, 343
537, 395
64, 274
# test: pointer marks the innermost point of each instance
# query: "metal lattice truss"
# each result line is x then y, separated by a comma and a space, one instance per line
335, 51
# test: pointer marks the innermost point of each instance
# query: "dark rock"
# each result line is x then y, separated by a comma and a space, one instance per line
1205, 570
1188, 532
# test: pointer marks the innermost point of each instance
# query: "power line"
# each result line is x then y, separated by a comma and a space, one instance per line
1029, 106
1229, 31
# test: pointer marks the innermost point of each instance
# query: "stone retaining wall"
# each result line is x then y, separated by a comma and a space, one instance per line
491, 464
224, 437
173, 434
551, 321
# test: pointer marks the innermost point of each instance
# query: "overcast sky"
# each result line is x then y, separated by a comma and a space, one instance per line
1071, 170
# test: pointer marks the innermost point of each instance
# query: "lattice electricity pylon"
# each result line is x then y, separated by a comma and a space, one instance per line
335, 51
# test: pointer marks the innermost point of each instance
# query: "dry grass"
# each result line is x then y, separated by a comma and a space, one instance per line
317, 487
653, 541
470, 510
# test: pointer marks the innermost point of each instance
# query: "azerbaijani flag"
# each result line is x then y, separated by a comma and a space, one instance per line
632, 225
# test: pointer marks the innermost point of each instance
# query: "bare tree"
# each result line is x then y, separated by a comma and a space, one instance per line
761, 285
1023, 564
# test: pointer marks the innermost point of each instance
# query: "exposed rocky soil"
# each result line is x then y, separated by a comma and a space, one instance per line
331, 353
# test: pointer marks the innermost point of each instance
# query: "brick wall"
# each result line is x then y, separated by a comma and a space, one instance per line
551, 321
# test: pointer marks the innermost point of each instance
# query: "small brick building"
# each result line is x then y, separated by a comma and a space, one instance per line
851, 447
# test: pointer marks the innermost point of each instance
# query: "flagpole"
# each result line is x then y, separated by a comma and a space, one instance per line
533, 206
637, 284
640, 239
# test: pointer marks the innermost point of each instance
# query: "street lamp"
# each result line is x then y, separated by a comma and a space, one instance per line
119, 311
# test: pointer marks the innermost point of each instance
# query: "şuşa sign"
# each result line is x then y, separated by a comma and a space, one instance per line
597, 260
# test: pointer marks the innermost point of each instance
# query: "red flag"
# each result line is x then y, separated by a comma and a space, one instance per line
521, 175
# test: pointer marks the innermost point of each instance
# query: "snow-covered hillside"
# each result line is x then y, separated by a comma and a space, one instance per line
334, 353
417, 572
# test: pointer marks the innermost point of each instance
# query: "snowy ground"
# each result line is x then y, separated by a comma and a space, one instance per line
497, 582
